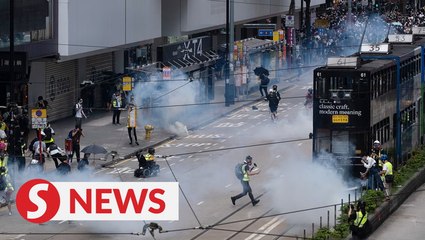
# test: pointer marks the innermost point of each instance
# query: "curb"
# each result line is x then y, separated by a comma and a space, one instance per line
191, 129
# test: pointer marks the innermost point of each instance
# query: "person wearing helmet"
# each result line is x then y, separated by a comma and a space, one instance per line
273, 97
247, 170
387, 172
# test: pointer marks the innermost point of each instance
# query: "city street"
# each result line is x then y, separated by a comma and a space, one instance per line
203, 164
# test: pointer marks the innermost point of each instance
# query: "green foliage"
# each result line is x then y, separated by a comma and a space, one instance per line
373, 198
406, 171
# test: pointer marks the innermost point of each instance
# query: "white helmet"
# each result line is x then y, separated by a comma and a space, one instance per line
376, 142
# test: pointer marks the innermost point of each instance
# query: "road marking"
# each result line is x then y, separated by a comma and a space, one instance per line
277, 156
266, 228
62, 221
228, 185
199, 203
19, 236
299, 144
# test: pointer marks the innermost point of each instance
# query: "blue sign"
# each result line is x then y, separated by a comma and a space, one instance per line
265, 32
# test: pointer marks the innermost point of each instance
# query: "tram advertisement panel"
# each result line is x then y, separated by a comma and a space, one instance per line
343, 114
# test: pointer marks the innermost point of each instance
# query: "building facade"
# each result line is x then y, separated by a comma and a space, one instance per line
79, 48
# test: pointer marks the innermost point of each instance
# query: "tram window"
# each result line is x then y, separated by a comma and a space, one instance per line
341, 82
320, 87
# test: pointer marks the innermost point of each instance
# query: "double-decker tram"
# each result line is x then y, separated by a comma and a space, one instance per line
372, 95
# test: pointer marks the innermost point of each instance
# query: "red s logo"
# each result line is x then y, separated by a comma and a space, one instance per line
38, 201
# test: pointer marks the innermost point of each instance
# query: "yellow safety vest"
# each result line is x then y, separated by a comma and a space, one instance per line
245, 173
389, 168
149, 157
3, 163
3, 126
359, 217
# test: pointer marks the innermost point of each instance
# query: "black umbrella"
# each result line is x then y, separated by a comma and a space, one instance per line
94, 149
261, 71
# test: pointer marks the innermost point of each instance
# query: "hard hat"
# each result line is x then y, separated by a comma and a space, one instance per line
271, 90
376, 142
384, 157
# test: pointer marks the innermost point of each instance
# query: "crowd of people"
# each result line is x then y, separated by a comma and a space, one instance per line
343, 32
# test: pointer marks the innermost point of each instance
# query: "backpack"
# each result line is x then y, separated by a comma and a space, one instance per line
238, 171
264, 80
48, 132
74, 110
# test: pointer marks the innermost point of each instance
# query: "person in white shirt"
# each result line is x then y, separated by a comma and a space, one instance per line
374, 180
79, 113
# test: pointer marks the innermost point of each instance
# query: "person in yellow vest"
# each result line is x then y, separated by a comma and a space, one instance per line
49, 132
247, 170
387, 172
359, 223
150, 157
6, 187
116, 106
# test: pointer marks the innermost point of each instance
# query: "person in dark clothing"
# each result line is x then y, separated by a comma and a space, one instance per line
42, 103
84, 163
273, 97
264, 83
57, 154
116, 106
247, 168
64, 168
76, 134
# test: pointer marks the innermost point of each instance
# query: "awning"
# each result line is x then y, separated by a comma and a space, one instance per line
191, 63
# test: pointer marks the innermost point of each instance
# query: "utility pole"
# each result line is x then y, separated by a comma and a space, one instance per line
11, 92
229, 92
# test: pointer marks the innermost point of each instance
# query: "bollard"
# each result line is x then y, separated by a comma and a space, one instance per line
148, 131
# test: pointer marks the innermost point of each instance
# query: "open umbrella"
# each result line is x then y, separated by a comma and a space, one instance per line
261, 71
94, 149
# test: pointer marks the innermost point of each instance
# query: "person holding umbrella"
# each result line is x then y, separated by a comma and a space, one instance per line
262, 73
93, 149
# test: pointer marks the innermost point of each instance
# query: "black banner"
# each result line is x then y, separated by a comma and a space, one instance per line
194, 47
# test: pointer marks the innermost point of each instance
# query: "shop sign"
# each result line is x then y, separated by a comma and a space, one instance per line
127, 83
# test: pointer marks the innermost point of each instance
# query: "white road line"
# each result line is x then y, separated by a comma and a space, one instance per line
62, 221
269, 223
277, 156
19, 236
199, 203
228, 185
269, 229
299, 144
